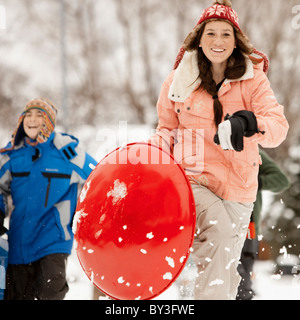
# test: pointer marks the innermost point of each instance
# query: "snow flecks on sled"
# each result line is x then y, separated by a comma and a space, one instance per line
118, 192
84, 191
171, 262
168, 276
150, 235
79, 215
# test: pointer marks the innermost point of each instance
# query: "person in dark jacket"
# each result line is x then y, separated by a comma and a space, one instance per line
42, 170
270, 178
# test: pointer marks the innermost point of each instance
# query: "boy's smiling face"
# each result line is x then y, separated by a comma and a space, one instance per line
33, 122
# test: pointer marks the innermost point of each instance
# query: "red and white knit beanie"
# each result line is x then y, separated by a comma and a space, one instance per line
220, 10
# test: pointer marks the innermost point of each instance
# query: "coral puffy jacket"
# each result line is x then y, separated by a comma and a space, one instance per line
186, 129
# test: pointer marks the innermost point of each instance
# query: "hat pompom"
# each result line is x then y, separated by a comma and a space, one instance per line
226, 3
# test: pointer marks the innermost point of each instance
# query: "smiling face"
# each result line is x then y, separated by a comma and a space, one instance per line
33, 122
218, 42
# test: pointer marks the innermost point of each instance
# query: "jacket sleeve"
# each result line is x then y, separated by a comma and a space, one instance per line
270, 115
5, 182
83, 163
165, 135
272, 178
88, 166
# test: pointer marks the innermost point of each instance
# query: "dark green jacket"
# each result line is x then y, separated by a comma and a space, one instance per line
271, 178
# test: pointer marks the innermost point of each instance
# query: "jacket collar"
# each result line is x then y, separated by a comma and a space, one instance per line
34, 143
186, 77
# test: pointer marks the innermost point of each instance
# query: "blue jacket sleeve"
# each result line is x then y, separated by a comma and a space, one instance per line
68, 146
5, 181
85, 167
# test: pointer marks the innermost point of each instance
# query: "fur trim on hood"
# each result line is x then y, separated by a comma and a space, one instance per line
186, 77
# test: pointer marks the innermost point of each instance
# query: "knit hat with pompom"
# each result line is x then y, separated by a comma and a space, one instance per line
220, 10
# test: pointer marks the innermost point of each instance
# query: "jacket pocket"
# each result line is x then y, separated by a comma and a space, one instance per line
246, 164
18, 180
64, 218
50, 176
20, 174
198, 113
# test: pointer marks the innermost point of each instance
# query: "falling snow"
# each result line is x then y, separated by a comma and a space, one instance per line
93, 167
260, 237
216, 282
229, 264
283, 251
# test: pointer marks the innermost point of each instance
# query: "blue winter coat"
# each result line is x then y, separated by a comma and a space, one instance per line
43, 182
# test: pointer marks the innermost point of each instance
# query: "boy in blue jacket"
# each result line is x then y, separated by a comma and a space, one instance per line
41, 170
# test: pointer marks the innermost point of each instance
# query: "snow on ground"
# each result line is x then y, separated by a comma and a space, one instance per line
266, 285
269, 286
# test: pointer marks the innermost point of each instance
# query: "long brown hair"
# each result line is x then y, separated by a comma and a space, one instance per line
236, 65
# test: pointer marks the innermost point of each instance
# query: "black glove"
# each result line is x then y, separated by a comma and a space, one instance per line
2, 228
231, 134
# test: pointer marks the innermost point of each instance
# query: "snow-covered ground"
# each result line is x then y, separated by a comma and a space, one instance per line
274, 287
266, 285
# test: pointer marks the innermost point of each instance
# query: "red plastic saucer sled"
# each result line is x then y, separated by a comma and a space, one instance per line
135, 223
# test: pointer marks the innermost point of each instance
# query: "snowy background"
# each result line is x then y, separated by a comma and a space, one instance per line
103, 62
266, 284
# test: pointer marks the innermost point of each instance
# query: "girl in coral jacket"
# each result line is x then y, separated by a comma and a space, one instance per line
41, 170
215, 109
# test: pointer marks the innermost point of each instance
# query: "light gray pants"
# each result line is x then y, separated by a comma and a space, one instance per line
220, 234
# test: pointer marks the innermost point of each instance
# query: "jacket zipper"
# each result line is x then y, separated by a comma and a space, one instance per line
50, 176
